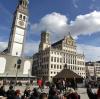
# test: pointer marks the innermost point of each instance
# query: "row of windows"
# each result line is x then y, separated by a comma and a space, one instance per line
54, 72
81, 73
78, 74
80, 63
22, 17
68, 67
72, 52
44, 72
64, 60
61, 53
58, 72
41, 60
43, 53
56, 66
45, 66
40, 73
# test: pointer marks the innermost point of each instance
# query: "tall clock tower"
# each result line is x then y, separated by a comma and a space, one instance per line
18, 30
45, 41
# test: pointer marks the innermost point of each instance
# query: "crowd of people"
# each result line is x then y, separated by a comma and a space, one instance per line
59, 90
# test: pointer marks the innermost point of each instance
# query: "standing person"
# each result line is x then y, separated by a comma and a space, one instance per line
90, 94
27, 92
53, 94
35, 94
10, 93
17, 94
40, 83
64, 85
2, 91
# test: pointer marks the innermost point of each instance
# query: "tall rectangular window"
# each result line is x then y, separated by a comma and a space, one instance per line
51, 59
51, 65
55, 59
54, 66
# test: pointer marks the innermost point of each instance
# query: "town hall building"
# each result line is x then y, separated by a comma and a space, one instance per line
52, 58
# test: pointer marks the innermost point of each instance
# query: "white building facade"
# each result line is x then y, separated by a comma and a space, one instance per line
52, 58
14, 52
93, 69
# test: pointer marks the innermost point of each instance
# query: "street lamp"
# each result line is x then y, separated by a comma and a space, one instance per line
6, 77
17, 66
29, 75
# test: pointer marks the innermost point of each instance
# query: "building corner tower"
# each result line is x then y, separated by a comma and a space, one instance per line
19, 25
45, 41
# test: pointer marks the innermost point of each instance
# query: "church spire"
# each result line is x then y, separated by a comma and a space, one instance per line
18, 30
24, 3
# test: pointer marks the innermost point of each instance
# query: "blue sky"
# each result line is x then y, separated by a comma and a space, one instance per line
80, 17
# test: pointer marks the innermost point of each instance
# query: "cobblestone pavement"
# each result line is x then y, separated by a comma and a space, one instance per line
81, 91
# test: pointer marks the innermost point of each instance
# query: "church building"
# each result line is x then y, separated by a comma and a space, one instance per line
12, 61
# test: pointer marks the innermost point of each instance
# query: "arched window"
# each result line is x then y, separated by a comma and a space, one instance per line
20, 16
24, 18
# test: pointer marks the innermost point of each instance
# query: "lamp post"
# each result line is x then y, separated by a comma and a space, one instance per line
29, 75
6, 77
17, 66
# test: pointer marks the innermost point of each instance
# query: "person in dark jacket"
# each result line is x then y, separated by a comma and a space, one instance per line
35, 94
10, 93
27, 92
2, 91
90, 94
53, 94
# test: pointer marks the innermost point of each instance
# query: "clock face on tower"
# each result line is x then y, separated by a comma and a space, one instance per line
21, 23
69, 42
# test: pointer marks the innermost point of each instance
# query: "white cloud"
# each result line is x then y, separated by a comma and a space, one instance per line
3, 46
54, 23
58, 25
92, 53
86, 24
